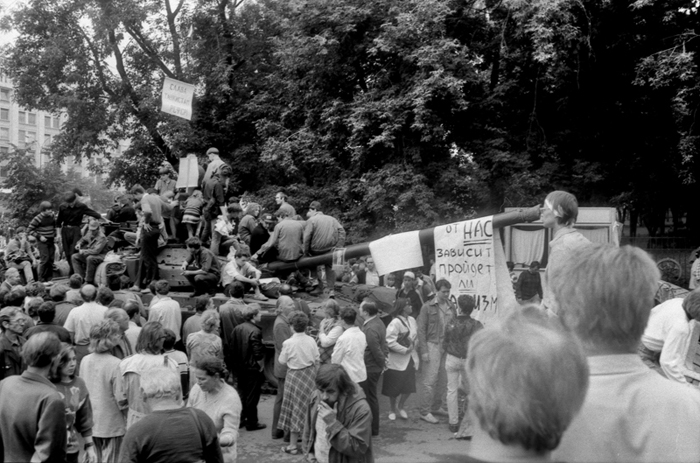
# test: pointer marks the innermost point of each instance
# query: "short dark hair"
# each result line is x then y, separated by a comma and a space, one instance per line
243, 253
334, 375
75, 281
348, 315
58, 292
69, 197
105, 296
169, 339
150, 338
299, 321
131, 308
137, 189
235, 289
47, 312
45, 206
370, 308
114, 282
315, 205
14, 298
193, 243
535, 263
442, 283
212, 366
466, 303
201, 303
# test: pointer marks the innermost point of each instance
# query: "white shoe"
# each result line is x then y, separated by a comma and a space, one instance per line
429, 418
392, 416
403, 414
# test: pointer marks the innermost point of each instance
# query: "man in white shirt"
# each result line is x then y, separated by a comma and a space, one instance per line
132, 333
240, 269
350, 348
667, 335
81, 320
167, 310
371, 275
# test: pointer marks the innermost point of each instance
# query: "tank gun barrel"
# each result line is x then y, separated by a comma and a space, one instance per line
425, 236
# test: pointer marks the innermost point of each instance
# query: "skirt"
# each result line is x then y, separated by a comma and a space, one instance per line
398, 382
299, 387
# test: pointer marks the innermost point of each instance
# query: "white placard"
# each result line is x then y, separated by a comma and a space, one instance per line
464, 256
396, 252
177, 98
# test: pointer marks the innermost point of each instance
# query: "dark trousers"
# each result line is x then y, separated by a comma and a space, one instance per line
204, 284
249, 384
46, 252
277, 409
148, 269
86, 266
369, 386
69, 238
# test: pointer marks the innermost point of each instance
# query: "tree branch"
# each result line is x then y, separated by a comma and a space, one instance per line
175, 36
98, 61
143, 44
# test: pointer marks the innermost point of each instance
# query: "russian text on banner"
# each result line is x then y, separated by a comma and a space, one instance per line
176, 98
465, 256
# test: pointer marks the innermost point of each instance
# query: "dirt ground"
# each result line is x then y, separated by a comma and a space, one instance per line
399, 441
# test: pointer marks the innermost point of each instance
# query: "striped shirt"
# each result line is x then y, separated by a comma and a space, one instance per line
43, 224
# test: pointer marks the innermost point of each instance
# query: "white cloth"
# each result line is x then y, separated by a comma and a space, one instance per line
668, 330
81, 320
631, 413
396, 252
132, 334
399, 356
322, 446
327, 340
188, 174
349, 352
167, 311
371, 278
299, 351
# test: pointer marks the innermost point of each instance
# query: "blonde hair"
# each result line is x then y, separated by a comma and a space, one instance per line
528, 379
605, 295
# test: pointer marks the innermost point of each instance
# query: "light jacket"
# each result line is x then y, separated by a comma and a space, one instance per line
399, 356
430, 327
323, 233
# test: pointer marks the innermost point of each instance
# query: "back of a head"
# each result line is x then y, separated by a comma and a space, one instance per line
235, 290
75, 281
40, 349
249, 312
286, 289
168, 339
370, 308
105, 296
348, 315
88, 293
131, 308
161, 383
47, 312
528, 379
162, 287
114, 282
605, 295
285, 305
150, 339
15, 298
299, 321
466, 303
691, 304
201, 303
58, 292
117, 314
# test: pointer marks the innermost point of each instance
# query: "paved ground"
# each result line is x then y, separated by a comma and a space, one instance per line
398, 442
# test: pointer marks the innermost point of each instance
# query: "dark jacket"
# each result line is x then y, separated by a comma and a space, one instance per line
33, 419
376, 350
11, 362
247, 347
350, 433
281, 331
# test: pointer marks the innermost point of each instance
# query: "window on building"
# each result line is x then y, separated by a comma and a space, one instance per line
4, 94
47, 141
22, 117
21, 138
31, 137
56, 122
4, 133
4, 114
47, 121
31, 118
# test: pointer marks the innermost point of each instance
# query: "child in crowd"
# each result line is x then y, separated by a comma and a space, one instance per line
193, 212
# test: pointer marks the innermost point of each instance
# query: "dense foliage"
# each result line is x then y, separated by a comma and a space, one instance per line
397, 114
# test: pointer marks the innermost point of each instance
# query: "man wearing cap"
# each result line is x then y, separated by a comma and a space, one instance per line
69, 221
91, 252
260, 235
43, 227
409, 290
215, 163
287, 237
321, 234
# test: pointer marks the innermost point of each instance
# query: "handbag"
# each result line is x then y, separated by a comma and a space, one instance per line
404, 339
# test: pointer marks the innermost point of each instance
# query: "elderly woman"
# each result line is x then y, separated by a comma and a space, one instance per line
100, 370
329, 331
400, 376
219, 401
300, 354
559, 212
171, 432
528, 378
149, 355
205, 342
77, 402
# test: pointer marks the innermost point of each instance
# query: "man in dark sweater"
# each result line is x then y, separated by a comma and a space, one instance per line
528, 289
43, 227
248, 354
375, 357
69, 220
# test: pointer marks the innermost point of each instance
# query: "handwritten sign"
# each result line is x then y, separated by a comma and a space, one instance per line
465, 256
177, 98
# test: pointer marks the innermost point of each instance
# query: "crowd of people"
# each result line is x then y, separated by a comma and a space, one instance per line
585, 369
